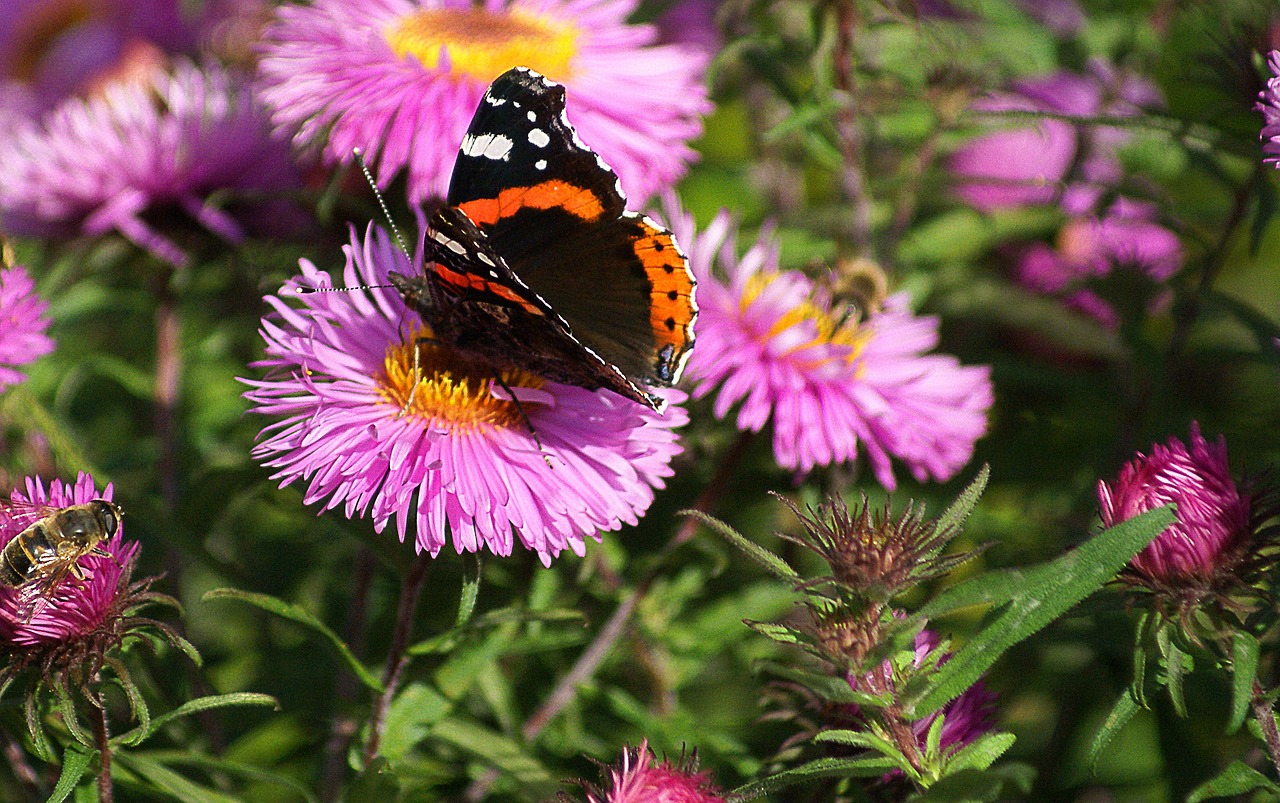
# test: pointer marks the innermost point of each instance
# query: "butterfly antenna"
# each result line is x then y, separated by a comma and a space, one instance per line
382, 203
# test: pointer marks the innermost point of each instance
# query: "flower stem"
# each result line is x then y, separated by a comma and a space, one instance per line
410, 592
591, 658
98, 719
1266, 717
853, 178
345, 687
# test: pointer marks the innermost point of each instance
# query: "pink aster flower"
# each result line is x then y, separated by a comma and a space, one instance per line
75, 608
24, 320
96, 165
402, 78
1269, 105
459, 461
639, 778
1213, 518
770, 340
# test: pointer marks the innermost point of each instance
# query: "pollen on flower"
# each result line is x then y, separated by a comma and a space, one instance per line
828, 329
450, 389
484, 44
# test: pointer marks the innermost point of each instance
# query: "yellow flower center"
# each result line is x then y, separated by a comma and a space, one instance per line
841, 330
484, 44
451, 391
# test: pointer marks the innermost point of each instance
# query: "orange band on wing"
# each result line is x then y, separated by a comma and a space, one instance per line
575, 200
470, 281
673, 308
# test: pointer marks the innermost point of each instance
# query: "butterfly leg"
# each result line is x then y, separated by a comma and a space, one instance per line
524, 417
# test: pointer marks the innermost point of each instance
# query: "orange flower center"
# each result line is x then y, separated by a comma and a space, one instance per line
448, 390
484, 44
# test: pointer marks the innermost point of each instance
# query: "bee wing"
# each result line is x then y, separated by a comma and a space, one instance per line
17, 515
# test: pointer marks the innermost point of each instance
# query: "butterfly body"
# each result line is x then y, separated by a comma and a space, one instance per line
535, 264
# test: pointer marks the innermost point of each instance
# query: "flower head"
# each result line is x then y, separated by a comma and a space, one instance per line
23, 322
638, 778
772, 340
441, 448
401, 79
33, 615
1269, 105
1212, 528
96, 165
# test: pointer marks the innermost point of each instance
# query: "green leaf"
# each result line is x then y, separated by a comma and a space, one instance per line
410, 717
171, 782
953, 517
771, 562
1237, 779
872, 767
869, 741
1124, 709
303, 617
74, 763
1051, 589
195, 706
70, 717
378, 782
470, 589
1244, 669
499, 751
981, 753
975, 785
137, 705
247, 771
1175, 664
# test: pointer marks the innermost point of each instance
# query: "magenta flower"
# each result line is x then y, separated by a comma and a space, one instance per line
99, 164
1269, 105
24, 319
76, 607
53, 49
770, 340
1213, 519
638, 778
460, 462
402, 78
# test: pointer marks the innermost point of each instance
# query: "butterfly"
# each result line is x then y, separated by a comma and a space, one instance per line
534, 263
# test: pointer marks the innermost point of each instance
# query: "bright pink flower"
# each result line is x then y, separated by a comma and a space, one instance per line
1269, 105
638, 778
460, 462
1213, 518
24, 320
770, 341
76, 607
401, 79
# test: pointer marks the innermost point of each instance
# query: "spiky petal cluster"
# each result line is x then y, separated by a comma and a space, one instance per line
24, 320
1269, 105
640, 778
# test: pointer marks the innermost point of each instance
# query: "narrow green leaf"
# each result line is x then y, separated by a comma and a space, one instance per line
137, 705
954, 516
1237, 779
933, 739
74, 763
171, 782
39, 740
377, 782
970, 786
1175, 669
499, 751
470, 588
1124, 709
779, 633
981, 753
869, 741
771, 562
1052, 590
70, 717
1244, 669
303, 617
872, 767
195, 706
409, 719
1141, 636
239, 768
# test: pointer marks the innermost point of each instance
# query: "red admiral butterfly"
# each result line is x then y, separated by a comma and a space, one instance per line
535, 264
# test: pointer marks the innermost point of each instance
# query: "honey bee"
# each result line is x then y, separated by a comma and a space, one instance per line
48, 550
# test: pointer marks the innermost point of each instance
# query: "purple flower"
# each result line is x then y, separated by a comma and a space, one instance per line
460, 462
53, 49
402, 79
75, 608
770, 340
1269, 105
23, 322
1213, 518
1029, 164
96, 165
639, 778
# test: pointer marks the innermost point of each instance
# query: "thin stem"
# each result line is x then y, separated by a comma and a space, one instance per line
853, 179
98, 719
591, 658
168, 373
345, 686
22, 769
1266, 718
410, 592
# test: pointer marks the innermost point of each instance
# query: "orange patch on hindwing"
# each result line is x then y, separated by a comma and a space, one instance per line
673, 308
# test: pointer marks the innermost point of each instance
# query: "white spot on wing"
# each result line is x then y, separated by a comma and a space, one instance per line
490, 146
533, 117
541, 164
492, 100
538, 138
